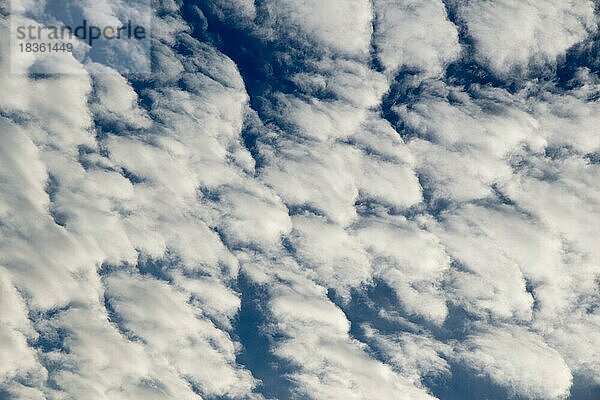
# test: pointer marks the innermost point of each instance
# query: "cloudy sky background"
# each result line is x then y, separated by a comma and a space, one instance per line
343, 199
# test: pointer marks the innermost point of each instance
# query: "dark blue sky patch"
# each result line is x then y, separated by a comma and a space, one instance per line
593, 158
266, 66
582, 55
141, 87
305, 209
465, 384
50, 340
252, 130
251, 329
52, 188
584, 389
17, 117
405, 89
365, 305
132, 177
157, 268
557, 153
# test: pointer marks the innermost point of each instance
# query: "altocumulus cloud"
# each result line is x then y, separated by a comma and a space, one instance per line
350, 199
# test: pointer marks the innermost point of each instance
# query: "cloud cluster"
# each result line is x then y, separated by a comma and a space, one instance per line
326, 215
513, 36
519, 360
415, 35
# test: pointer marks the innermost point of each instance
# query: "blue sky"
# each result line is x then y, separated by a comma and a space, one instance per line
352, 199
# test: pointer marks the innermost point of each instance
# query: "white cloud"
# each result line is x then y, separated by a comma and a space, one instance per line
411, 261
338, 260
328, 362
570, 112
241, 8
110, 219
486, 206
193, 346
514, 36
115, 100
344, 26
414, 355
489, 280
17, 359
463, 141
519, 361
97, 361
415, 34
314, 176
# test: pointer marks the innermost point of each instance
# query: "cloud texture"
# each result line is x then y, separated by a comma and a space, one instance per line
349, 199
